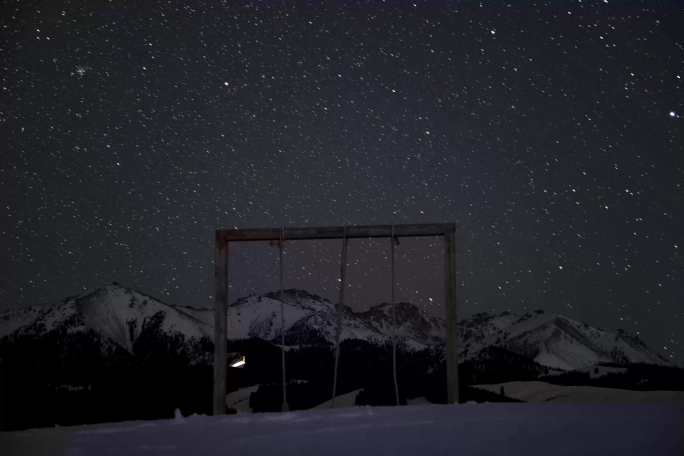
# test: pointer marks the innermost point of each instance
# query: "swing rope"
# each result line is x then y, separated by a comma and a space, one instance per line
393, 239
338, 314
285, 407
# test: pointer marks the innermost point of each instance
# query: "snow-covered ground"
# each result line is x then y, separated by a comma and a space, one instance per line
342, 400
547, 392
469, 429
239, 399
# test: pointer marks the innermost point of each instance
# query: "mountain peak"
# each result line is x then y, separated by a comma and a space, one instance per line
121, 314
118, 313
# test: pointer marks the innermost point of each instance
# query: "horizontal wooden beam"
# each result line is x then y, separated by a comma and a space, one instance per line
334, 232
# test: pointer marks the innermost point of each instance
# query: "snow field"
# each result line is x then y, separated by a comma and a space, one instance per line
468, 429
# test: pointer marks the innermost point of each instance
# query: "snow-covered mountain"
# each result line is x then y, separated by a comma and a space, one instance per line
119, 316
550, 340
554, 340
310, 318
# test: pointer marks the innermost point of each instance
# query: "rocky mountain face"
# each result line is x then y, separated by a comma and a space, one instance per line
118, 317
113, 318
554, 340
312, 319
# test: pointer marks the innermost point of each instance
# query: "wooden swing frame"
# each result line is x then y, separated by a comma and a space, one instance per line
225, 236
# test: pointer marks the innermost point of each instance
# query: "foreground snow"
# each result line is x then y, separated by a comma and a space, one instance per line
486, 429
342, 400
547, 392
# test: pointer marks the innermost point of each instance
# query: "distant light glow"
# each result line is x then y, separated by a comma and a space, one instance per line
239, 363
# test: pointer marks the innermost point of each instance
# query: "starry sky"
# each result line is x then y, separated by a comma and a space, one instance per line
551, 132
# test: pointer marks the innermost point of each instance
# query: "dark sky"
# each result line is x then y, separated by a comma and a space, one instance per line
550, 131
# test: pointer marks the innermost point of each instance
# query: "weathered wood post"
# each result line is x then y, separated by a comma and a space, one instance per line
220, 317
451, 315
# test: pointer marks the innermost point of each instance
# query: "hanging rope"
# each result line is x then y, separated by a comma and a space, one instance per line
338, 314
393, 239
285, 407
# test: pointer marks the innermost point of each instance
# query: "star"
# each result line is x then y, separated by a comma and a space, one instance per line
263, 117
80, 70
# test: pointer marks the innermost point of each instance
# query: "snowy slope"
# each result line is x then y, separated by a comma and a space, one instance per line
464, 430
259, 316
306, 315
341, 401
238, 400
547, 392
114, 312
119, 314
14, 320
551, 340
554, 340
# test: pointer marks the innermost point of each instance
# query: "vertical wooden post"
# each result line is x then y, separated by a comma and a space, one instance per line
338, 315
451, 316
220, 317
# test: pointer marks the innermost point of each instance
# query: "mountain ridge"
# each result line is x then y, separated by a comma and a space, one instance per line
121, 314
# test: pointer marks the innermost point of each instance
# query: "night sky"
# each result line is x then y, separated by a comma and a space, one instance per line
552, 132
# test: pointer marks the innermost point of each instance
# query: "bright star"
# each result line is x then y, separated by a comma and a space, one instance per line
80, 70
